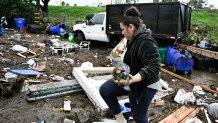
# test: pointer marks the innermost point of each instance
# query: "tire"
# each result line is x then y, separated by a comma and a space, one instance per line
80, 37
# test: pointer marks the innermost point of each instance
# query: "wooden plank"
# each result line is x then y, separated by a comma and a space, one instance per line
191, 115
189, 81
207, 53
97, 70
90, 89
52, 89
21, 54
178, 115
52, 85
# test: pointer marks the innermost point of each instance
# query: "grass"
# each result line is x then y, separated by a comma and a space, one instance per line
75, 13
71, 14
209, 18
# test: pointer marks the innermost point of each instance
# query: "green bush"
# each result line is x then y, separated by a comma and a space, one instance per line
17, 9
204, 23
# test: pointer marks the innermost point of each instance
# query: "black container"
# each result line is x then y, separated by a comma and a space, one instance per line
205, 63
169, 20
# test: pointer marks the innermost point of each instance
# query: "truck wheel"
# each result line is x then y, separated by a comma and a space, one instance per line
80, 37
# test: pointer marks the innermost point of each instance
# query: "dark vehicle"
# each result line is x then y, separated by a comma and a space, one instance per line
169, 20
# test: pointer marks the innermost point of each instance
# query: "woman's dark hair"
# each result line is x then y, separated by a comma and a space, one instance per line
132, 16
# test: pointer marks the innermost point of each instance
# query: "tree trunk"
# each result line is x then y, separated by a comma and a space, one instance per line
44, 8
37, 5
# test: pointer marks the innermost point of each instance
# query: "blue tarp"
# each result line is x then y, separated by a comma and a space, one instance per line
25, 72
182, 62
61, 28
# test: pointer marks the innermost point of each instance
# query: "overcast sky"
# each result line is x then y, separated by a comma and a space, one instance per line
95, 2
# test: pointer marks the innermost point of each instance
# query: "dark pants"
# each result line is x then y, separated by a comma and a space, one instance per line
110, 91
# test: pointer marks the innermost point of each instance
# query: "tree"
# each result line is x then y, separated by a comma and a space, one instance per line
16, 9
198, 4
43, 7
67, 4
212, 6
63, 3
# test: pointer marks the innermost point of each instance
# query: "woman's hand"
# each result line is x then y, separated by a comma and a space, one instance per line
136, 78
131, 79
121, 47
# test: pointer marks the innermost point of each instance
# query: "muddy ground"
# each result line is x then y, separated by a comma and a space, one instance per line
16, 109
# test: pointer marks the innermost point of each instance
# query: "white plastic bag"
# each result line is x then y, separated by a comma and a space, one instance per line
182, 97
198, 90
67, 106
31, 62
87, 65
19, 48
10, 75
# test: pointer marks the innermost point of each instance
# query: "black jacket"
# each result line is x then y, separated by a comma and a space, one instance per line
142, 56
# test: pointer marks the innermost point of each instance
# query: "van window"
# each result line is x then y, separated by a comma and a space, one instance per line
98, 19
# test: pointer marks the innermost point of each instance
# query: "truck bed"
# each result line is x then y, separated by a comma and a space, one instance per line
166, 20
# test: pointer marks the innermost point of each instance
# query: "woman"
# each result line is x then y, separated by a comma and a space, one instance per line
143, 59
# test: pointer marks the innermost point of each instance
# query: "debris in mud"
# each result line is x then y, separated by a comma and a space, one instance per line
60, 66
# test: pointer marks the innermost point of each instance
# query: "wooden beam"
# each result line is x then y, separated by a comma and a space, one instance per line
189, 81
97, 70
191, 115
178, 115
21, 54
207, 53
91, 90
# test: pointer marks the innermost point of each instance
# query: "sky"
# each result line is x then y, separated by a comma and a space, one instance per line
95, 2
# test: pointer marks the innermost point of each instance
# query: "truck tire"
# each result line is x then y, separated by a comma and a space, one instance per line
80, 37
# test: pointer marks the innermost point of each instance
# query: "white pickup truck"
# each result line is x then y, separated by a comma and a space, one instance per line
93, 29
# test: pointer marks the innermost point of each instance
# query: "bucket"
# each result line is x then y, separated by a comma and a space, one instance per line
20, 22
182, 62
163, 54
72, 39
124, 106
1, 31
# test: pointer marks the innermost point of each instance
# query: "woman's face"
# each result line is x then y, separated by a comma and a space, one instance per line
127, 31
